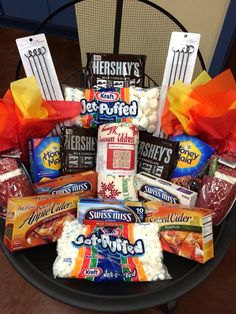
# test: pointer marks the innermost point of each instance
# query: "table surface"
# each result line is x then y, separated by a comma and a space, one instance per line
35, 265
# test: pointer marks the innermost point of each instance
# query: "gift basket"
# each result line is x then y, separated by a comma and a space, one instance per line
117, 194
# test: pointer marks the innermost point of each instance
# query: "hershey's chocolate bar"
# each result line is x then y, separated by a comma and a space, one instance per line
157, 156
115, 70
78, 149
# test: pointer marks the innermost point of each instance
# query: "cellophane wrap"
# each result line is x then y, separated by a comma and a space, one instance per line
130, 252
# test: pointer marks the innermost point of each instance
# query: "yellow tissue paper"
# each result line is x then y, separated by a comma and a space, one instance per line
28, 99
206, 109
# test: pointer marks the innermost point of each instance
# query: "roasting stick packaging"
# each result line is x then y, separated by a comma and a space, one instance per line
37, 61
180, 64
36, 58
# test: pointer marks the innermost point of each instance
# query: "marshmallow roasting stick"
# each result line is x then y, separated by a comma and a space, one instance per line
38, 69
44, 69
35, 70
36, 59
36, 48
180, 64
41, 52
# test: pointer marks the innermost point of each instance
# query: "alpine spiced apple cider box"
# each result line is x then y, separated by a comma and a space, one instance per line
37, 220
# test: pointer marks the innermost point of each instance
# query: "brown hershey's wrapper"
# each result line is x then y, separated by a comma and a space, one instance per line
115, 70
157, 156
78, 149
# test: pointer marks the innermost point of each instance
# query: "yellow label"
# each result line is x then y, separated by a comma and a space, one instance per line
189, 155
50, 156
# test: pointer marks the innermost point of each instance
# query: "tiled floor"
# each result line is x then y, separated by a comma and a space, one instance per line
216, 295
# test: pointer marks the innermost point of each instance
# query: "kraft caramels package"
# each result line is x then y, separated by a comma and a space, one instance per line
44, 158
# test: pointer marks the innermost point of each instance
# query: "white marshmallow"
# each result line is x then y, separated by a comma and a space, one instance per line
144, 122
153, 103
135, 121
153, 92
153, 118
132, 91
73, 94
68, 98
79, 94
141, 128
76, 120
140, 114
139, 93
148, 112
134, 98
151, 128
143, 103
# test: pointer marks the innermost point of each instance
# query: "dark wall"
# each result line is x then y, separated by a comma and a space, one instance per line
29, 13
231, 61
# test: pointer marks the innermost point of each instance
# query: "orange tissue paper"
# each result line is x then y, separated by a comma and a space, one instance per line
206, 109
24, 114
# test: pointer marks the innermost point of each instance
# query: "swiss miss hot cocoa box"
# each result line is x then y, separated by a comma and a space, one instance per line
184, 231
37, 220
83, 184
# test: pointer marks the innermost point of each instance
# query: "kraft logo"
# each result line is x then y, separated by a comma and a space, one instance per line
160, 194
92, 272
72, 188
107, 96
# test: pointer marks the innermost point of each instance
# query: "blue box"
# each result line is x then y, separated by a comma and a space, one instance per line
102, 211
44, 156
